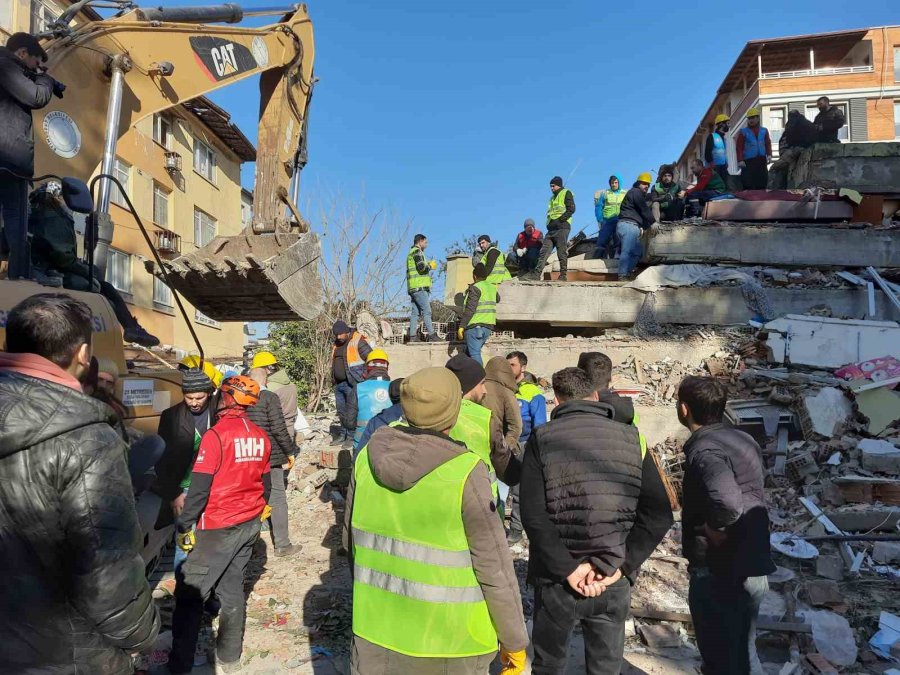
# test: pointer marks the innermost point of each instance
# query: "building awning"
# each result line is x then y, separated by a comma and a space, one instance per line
219, 122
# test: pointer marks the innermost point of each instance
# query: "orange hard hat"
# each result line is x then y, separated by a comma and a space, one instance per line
244, 390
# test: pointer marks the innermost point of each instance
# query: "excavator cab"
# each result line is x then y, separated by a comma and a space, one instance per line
143, 61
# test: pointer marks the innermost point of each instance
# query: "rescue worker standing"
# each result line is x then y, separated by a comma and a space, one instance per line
418, 285
370, 396
559, 223
715, 151
442, 604
635, 217
229, 489
606, 208
754, 152
479, 313
348, 361
277, 381
829, 121
493, 260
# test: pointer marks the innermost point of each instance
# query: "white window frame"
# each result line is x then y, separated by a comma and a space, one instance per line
897, 119
122, 171
162, 294
162, 130
199, 217
203, 320
812, 109
160, 196
205, 160
43, 13
118, 270
896, 63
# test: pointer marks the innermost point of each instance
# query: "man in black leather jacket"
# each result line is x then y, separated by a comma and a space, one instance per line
73, 596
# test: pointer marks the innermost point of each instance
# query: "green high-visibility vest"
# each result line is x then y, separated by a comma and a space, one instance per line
473, 427
634, 423
486, 311
612, 203
499, 274
414, 280
557, 206
414, 587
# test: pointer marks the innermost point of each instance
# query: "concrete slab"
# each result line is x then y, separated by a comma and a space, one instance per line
831, 343
778, 210
608, 305
865, 167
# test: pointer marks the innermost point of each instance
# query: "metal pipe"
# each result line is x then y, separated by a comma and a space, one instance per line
113, 110
226, 13
270, 11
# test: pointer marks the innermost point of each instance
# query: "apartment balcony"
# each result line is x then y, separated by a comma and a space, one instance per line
809, 72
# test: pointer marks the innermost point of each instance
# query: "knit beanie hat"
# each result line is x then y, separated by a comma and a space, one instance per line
195, 381
394, 390
529, 221
556, 180
484, 237
467, 370
430, 399
339, 328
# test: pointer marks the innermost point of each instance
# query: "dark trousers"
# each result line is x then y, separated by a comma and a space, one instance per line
341, 394
724, 614
217, 562
528, 262
558, 238
606, 238
722, 170
557, 608
515, 515
755, 174
14, 213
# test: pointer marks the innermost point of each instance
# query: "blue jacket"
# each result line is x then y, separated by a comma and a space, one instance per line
600, 202
382, 419
533, 407
371, 398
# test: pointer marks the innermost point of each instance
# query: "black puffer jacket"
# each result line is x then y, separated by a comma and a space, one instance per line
723, 487
73, 596
267, 415
21, 91
636, 209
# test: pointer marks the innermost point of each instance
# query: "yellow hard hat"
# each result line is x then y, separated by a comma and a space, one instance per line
645, 178
263, 359
753, 112
722, 118
213, 373
377, 355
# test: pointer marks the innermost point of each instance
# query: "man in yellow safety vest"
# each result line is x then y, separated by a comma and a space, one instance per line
418, 285
434, 589
493, 260
479, 313
559, 224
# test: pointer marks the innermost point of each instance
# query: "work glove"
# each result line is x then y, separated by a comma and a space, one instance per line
266, 512
186, 540
432, 264
290, 462
520, 252
513, 662
58, 88
459, 333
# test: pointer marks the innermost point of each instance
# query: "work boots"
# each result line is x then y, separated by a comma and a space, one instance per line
135, 333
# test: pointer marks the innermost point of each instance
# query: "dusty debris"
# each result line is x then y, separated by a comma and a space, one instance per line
880, 456
824, 414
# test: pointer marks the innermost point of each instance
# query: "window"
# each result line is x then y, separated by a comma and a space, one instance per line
896, 119
204, 320
844, 131
896, 64
118, 270
204, 161
43, 13
204, 228
160, 205
121, 171
162, 131
162, 294
776, 124
6, 16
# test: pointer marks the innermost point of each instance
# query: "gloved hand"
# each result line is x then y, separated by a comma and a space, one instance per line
432, 264
459, 333
58, 88
742, 165
513, 662
290, 462
266, 512
186, 540
520, 252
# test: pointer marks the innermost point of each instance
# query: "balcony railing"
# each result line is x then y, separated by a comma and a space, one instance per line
844, 70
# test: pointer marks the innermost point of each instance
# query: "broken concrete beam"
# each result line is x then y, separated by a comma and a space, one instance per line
778, 210
880, 456
868, 520
865, 167
824, 414
608, 305
831, 343
886, 552
869, 489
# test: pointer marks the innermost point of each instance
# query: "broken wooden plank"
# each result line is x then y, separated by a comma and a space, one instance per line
684, 617
818, 664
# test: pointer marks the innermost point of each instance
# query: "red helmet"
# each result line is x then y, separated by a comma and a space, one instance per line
244, 390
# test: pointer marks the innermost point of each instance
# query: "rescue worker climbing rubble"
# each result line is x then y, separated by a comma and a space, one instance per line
230, 486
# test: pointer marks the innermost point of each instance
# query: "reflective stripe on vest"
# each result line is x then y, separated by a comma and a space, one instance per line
719, 154
412, 566
473, 427
612, 203
499, 274
486, 311
371, 398
754, 146
414, 280
557, 206
634, 422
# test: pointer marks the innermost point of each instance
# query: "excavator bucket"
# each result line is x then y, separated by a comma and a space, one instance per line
252, 277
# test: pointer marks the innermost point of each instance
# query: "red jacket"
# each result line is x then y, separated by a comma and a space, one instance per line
534, 241
236, 452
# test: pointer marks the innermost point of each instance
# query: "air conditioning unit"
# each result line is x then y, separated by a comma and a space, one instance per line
173, 161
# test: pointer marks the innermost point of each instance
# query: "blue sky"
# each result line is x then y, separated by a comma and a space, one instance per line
457, 114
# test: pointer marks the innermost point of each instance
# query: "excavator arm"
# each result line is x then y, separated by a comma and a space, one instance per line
158, 59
